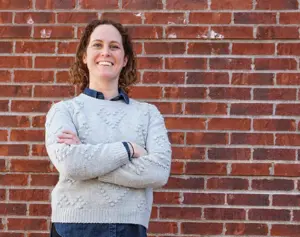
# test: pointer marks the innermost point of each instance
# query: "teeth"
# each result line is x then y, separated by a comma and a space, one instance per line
105, 63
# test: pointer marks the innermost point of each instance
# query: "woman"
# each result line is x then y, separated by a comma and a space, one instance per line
110, 151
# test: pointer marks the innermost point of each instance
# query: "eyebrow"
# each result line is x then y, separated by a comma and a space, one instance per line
109, 42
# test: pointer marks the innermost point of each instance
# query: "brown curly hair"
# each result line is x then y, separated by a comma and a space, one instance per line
79, 73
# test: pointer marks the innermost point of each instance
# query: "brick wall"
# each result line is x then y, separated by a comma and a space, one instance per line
225, 74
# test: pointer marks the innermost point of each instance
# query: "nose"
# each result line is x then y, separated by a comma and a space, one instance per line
105, 51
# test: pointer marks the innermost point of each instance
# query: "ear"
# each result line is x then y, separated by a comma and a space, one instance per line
125, 61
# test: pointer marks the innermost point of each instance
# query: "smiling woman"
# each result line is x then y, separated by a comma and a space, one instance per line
110, 151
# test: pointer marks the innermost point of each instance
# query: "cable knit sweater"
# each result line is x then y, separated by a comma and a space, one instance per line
97, 182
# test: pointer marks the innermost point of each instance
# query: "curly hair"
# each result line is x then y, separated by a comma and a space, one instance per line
79, 73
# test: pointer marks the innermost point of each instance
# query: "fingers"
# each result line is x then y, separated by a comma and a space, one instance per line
68, 137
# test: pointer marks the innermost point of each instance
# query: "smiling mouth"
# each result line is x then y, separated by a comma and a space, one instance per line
105, 63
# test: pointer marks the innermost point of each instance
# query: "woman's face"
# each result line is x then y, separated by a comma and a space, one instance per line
105, 56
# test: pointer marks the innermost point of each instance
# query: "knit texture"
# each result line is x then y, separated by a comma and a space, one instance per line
97, 182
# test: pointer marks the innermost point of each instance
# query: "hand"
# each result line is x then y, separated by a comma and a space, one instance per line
138, 150
68, 137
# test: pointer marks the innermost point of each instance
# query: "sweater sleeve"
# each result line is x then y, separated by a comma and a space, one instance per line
83, 161
152, 170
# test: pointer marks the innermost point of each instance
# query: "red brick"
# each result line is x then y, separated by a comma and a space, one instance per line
185, 92
202, 228
27, 224
200, 138
53, 32
227, 183
254, 18
169, 107
246, 229
146, 92
269, 215
3, 165
231, 5
210, 18
274, 154
188, 153
185, 123
288, 139
6, 47
207, 78
229, 154
35, 47
154, 213
3, 135
208, 48
53, 62
2, 195
277, 5
149, 63
285, 230
288, 49
247, 169
15, 4
183, 183
34, 17
274, 125
11, 234
288, 109
234, 32
15, 31
275, 64
145, 32
13, 179
5, 17
55, 4
289, 18
15, 62
62, 77
221, 93
29, 195
76, 17
27, 135
200, 168
15, 91
99, 5
164, 48
5, 76
4, 105
39, 166
252, 79
163, 77
252, 138
54, 91
287, 170
176, 137
204, 199
185, 63
286, 200
273, 184
34, 76
187, 213
142, 4
163, 227
248, 199
277, 32
38, 121
253, 49
251, 109
186, 5
224, 214
229, 124
39, 210
14, 150
12, 209
67, 47
164, 18
123, 17
206, 108
274, 94
230, 63
39, 150
167, 198
186, 32
177, 167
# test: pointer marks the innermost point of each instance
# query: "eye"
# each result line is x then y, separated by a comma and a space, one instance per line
114, 46
97, 45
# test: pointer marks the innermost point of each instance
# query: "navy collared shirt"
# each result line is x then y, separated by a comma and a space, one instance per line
99, 95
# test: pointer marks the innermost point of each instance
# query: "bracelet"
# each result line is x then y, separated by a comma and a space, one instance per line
132, 149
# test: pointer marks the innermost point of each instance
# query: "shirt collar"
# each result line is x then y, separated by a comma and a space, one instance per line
99, 95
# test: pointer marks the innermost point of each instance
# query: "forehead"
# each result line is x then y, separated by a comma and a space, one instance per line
106, 33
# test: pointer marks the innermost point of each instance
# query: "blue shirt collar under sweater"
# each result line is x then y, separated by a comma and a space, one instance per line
99, 95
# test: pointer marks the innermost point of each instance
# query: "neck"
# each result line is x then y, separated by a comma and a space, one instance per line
109, 90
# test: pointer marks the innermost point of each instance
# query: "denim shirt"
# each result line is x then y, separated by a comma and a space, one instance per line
99, 229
